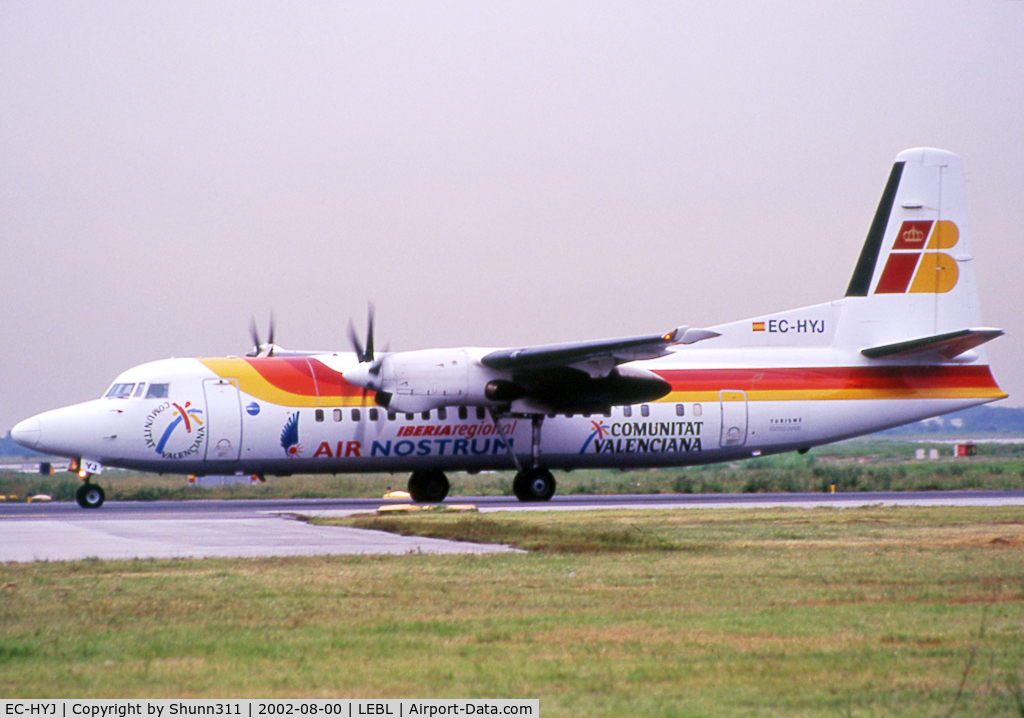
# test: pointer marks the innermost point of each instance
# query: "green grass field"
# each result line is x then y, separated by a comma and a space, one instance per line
827, 612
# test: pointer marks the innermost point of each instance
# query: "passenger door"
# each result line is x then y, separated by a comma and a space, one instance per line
223, 420
734, 418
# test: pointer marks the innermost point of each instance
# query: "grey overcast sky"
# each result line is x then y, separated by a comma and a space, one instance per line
487, 173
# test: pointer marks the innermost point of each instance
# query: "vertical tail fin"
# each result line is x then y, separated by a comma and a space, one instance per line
916, 270
912, 298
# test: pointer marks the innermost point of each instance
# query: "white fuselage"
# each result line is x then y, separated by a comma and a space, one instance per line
222, 417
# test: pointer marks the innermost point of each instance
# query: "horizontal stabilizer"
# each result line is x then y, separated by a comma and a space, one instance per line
948, 345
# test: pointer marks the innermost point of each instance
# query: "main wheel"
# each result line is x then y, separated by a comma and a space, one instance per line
90, 496
428, 487
534, 484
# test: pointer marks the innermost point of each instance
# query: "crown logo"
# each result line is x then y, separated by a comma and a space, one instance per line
912, 267
913, 236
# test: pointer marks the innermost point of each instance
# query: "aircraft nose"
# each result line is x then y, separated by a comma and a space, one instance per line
70, 431
27, 432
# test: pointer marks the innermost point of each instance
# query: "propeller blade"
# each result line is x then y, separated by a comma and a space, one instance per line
368, 375
258, 347
356, 344
363, 354
255, 334
369, 331
377, 364
270, 338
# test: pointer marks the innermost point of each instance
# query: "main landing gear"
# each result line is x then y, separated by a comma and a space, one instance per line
532, 483
90, 495
428, 487
431, 487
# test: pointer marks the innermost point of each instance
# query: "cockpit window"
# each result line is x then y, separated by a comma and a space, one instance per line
139, 389
120, 391
158, 391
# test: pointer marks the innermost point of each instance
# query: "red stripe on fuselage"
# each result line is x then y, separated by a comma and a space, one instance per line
830, 378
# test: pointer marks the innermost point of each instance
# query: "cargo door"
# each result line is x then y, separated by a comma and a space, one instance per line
734, 418
223, 420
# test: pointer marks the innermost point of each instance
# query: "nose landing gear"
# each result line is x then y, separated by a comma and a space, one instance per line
90, 495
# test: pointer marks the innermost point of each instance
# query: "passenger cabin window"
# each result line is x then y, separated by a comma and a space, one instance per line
442, 413
120, 391
337, 414
392, 416
374, 415
645, 410
319, 414
697, 411
355, 415
680, 411
481, 413
158, 391
463, 412
627, 411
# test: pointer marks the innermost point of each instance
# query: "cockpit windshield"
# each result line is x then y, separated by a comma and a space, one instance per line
120, 391
158, 391
126, 391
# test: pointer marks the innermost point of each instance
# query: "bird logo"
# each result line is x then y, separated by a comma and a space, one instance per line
290, 436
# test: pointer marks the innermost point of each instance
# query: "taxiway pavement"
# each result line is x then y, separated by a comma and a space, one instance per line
255, 528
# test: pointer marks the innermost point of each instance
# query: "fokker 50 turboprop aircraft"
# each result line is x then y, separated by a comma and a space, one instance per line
902, 345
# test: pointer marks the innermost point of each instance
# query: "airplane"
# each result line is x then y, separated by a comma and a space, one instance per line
903, 344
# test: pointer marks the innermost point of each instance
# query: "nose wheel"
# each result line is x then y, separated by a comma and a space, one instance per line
90, 495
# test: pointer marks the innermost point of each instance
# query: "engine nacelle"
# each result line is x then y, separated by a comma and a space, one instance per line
428, 379
566, 389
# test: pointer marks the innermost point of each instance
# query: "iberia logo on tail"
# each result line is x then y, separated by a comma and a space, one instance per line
915, 263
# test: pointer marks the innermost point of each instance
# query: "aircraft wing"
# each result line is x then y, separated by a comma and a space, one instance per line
564, 378
947, 346
584, 376
609, 352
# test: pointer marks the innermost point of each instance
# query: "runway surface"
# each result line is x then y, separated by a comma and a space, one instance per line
251, 528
